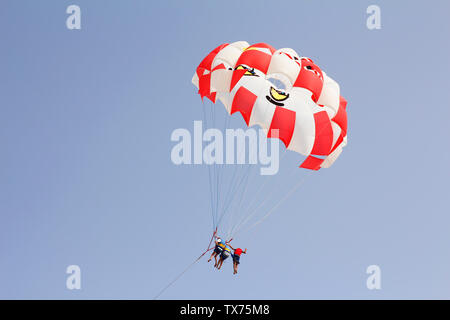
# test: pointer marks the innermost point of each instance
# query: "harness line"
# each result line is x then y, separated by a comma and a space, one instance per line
188, 267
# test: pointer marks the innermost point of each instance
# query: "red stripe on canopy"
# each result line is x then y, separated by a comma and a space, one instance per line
324, 134
263, 45
312, 163
283, 120
243, 102
207, 62
255, 59
341, 116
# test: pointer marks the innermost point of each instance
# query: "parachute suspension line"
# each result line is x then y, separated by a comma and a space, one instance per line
230, 187
236, 205
214, 170
188, 267
214, 166
263, 185
288, 194
205, 120
252, 213
244, 216
234, 184
221, 172
239, 206
238, 185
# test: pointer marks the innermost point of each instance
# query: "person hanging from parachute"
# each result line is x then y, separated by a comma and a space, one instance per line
225, 254
218, 249
236, 257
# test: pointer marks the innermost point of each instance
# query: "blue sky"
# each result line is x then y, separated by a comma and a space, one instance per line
85, 152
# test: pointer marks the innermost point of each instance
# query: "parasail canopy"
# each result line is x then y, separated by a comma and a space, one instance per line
278, 89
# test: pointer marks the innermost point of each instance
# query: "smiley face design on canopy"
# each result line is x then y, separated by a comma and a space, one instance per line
278, 89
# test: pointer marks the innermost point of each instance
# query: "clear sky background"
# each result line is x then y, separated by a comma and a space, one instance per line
86, 176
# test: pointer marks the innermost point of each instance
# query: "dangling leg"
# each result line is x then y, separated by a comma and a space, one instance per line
215, 260
220, 263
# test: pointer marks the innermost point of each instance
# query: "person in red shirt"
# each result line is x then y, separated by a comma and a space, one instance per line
236, 257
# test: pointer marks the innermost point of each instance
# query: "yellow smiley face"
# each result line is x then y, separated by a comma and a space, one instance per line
249, 72
278, 95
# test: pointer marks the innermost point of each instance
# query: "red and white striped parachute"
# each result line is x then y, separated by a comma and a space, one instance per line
306, 108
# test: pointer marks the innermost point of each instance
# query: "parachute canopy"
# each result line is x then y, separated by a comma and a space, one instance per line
278, 89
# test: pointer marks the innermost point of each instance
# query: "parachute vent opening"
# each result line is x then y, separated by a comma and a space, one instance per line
277, 83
